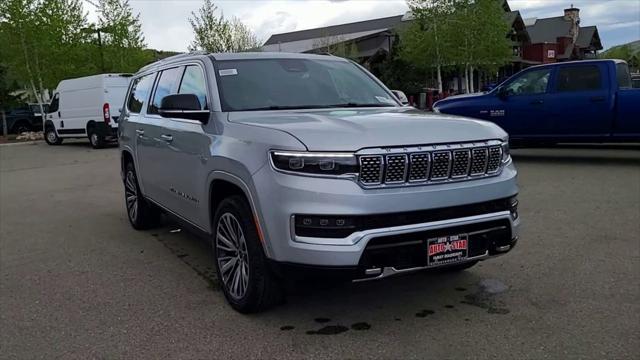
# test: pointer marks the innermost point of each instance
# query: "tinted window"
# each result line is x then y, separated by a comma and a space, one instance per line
55, 103
579, 78
296, 83
531, 82
623, 76
193, 83
139, 92
166, 86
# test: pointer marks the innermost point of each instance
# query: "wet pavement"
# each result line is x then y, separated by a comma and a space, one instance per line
76, 281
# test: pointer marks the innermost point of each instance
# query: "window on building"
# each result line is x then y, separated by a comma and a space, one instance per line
579, 78
139, 92
167, 85
193, 83
529, 83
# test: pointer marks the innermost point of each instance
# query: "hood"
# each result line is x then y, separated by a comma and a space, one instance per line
453, 98
352, 130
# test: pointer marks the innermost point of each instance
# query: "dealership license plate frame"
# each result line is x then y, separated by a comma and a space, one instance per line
444, 247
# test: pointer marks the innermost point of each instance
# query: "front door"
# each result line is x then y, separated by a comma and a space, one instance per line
187, 152
522, 105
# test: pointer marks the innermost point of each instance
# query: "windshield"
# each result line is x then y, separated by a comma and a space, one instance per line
272, 84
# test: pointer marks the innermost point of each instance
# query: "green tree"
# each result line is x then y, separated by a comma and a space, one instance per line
214, 33
121, 36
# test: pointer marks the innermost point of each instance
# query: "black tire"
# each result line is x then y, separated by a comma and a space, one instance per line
51, 137
97, 141
262, 289
142, 214
21, 127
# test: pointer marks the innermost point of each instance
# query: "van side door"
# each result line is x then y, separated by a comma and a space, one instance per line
581, 105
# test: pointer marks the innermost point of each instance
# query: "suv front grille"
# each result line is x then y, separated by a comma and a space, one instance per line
444, 162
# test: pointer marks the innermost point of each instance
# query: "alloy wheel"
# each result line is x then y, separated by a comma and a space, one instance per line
51, 136
232, 255
131, 195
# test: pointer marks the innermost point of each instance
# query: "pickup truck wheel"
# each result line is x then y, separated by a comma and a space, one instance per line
142, 215
51, 137
20, 128
248, 283
97, 141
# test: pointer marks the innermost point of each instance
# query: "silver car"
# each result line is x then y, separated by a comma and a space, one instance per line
307, 164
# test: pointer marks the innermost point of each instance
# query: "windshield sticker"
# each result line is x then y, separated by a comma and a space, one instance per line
227, 72
385, 100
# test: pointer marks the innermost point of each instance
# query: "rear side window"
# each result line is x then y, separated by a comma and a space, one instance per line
139, 92
579, 78
193, 83
166, 86
623, 76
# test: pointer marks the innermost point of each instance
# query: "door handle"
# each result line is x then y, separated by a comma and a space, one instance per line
140, 132
596, 98
537, 102
167, 138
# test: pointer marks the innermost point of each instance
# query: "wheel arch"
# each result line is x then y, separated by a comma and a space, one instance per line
223, 184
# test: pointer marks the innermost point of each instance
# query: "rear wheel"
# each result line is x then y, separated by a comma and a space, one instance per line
142, 215
51, 137
248, 283
97, 141
21, 127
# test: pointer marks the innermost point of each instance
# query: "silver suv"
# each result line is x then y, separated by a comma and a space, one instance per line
308, 162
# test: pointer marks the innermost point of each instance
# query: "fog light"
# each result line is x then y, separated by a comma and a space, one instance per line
513, 207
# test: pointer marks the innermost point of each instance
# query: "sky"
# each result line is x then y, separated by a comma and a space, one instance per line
166, 27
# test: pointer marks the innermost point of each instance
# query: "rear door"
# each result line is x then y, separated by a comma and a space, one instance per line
581, 105
158, 169
522, 112
138, 129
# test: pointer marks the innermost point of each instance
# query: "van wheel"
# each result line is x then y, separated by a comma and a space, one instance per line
248, 283
51, 137
142, 215
97, 141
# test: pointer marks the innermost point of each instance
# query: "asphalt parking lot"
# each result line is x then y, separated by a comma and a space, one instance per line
76, 281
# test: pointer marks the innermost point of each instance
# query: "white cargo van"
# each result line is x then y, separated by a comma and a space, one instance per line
87, 106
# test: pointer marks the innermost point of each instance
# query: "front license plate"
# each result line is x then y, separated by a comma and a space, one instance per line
447, 249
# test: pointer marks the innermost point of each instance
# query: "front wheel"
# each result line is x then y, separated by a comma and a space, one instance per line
51, 137
248, 283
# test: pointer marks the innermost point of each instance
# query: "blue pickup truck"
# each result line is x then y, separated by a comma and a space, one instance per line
579, 101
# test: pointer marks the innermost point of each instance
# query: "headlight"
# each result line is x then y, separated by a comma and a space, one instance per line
506, 155
315, 163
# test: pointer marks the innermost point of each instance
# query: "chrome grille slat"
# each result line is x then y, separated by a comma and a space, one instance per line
419, 165
396, 169
430, 164
440, 165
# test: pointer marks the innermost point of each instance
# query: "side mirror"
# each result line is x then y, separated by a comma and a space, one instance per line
183, 106
401, 97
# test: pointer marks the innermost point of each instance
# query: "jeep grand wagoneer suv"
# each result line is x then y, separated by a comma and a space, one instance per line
309, 161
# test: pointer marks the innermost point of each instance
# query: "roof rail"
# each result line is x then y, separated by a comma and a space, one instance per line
172, 58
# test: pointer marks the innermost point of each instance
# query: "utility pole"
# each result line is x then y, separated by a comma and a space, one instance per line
4, 124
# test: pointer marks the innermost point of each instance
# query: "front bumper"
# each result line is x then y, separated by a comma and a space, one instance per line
281, 196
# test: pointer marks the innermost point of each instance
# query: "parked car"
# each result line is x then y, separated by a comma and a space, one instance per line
297, 162
579, 101
23, 119
86, 107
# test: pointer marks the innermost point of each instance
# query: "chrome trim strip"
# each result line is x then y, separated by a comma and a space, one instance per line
391, 271
365, 235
